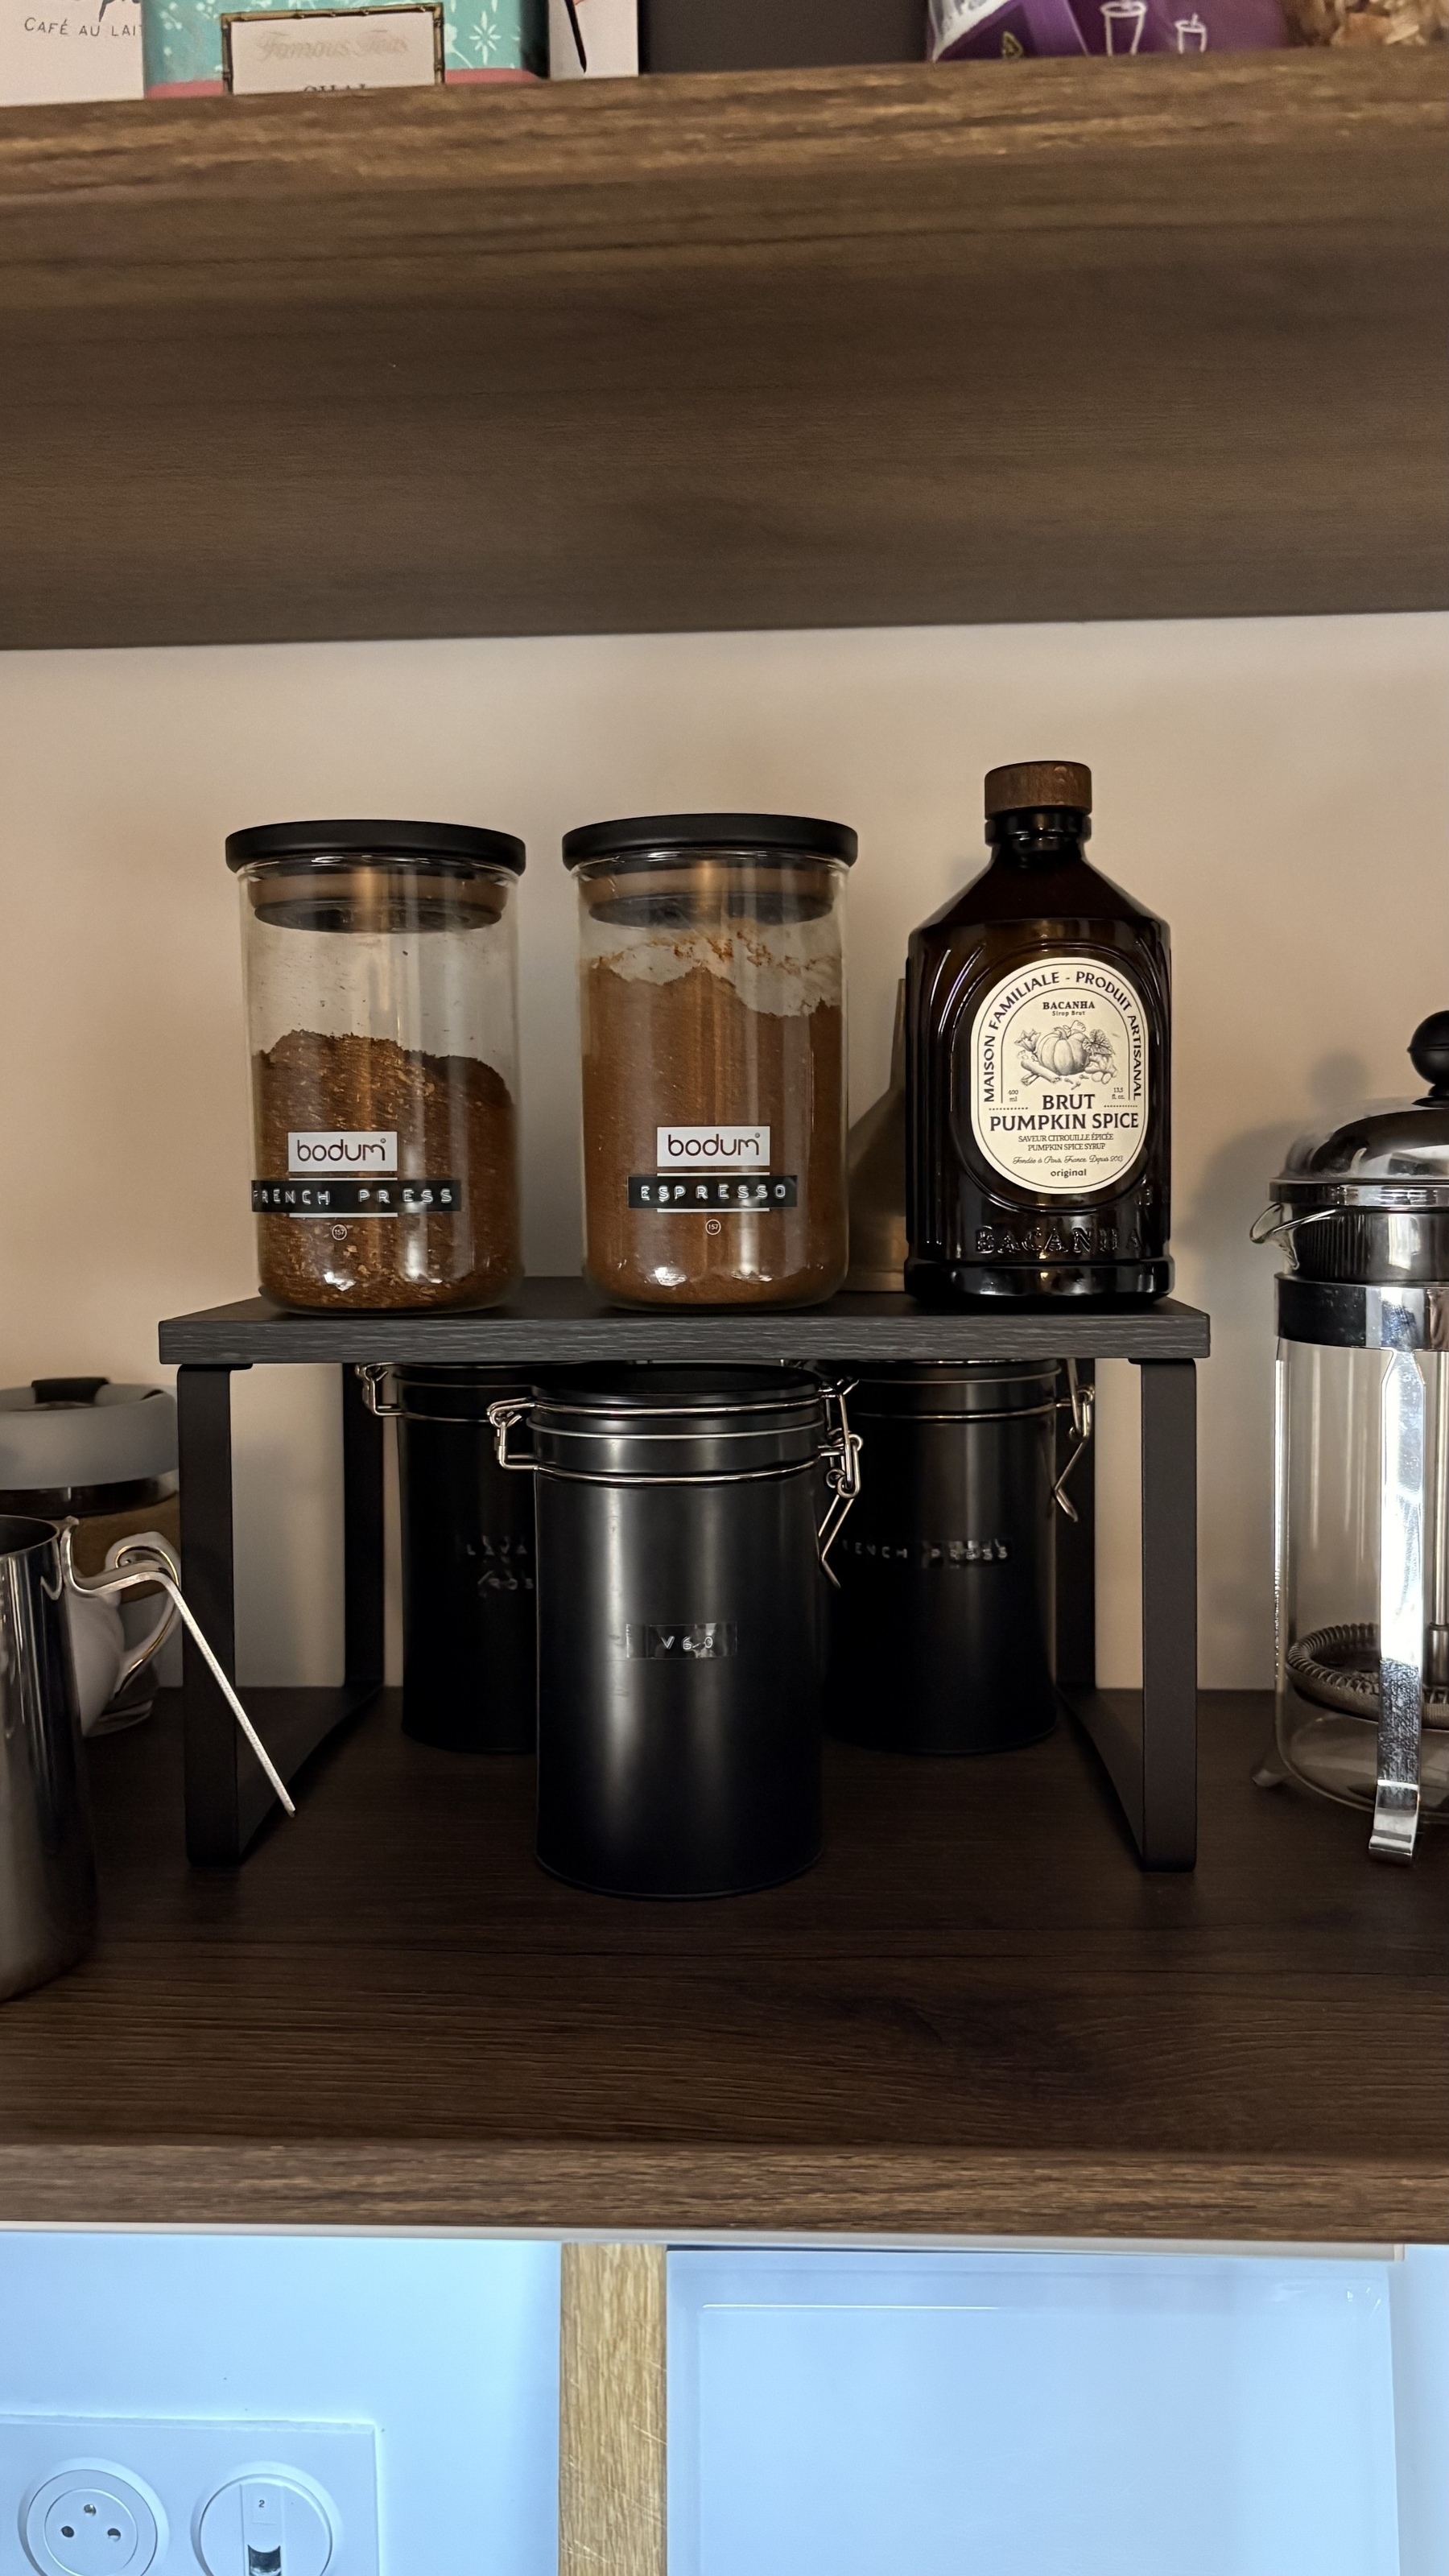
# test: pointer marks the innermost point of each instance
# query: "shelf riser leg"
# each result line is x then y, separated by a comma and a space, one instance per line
213, 1812
1076, 1546
363, 1437
1168, 1835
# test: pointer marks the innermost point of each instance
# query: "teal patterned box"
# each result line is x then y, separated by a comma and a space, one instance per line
200, 48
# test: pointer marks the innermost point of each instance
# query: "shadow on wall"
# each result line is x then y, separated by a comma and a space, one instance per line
1236, 1186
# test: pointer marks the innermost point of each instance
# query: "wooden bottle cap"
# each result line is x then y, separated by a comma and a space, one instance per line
1029, 784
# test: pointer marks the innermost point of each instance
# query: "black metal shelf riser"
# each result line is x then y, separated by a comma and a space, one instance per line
557, 1322
1147, 1740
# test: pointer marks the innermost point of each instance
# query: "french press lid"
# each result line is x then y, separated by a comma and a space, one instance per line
1392, 1156
1364, 1207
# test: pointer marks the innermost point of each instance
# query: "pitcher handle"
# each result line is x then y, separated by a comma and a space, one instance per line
155, 1636
142, 1564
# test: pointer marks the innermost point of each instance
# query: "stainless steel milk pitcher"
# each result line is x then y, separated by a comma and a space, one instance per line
47, 1877
47, 1873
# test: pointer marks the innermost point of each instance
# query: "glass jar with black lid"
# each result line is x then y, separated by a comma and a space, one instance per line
713, 1023
1038, 1039
382, 1021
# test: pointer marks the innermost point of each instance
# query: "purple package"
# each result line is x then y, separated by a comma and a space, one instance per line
966, 28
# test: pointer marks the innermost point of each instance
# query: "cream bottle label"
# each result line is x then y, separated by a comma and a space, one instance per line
1059, 1076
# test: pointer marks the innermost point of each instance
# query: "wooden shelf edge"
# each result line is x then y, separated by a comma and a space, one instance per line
792, 320
636, 2189
123, 205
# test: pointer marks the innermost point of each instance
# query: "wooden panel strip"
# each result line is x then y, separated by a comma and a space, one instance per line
611, 2411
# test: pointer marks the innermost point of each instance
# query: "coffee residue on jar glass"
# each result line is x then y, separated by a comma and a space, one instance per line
703, 1021
453, 1117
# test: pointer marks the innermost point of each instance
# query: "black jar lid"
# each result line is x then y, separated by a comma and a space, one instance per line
677, 1424
956, 1390
463, 847
688, 1387
658, 840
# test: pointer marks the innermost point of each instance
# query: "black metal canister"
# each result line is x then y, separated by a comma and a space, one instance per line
681, 1622
467, 1565
942, 1629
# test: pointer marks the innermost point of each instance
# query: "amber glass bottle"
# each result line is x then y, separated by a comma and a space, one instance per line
1038, 1056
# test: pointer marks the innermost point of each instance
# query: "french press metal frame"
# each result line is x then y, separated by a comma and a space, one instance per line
1344, 1315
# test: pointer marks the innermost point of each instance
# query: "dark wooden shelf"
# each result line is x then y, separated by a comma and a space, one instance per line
1003, 341
556, 1322
975, 2014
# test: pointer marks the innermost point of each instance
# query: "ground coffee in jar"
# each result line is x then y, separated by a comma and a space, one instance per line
713, 1057
381, 1009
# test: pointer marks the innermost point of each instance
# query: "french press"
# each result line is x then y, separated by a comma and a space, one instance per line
1362, 1456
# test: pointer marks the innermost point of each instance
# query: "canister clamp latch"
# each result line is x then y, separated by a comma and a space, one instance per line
373, 1374
841, 1460
1083, 1399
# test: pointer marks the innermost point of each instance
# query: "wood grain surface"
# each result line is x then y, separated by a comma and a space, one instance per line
563, 1321
976, 2014
1033, 340
611, 2465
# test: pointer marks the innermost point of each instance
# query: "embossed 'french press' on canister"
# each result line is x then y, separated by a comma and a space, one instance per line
943, 1628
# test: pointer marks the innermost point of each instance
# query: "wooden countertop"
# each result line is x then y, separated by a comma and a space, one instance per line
975, 2015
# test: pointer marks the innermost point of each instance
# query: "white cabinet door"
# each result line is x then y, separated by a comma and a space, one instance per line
1044, 2412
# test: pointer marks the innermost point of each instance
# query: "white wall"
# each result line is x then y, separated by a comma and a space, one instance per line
450, 2347
1275, 788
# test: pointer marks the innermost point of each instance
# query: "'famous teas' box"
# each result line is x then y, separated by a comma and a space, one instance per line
196, 47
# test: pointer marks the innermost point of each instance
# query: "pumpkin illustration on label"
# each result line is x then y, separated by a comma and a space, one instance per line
1059, 1076
1049, 1057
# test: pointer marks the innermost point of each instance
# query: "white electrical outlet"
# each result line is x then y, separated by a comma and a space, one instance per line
85, 2496
91, 2518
